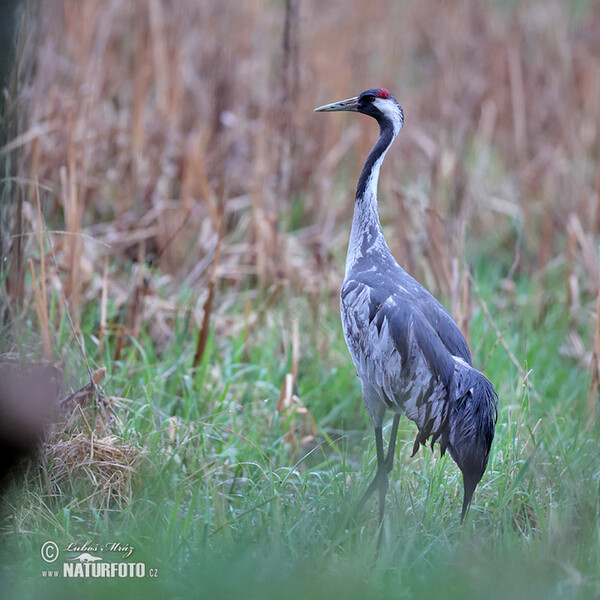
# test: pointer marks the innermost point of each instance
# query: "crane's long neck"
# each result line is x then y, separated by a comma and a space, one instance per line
366, 230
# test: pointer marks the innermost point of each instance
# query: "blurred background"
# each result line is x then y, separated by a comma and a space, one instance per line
152, 126
173, 226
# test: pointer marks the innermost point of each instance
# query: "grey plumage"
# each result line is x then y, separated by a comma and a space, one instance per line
409, 353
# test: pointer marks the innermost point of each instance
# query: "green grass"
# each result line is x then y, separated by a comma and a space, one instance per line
227, 511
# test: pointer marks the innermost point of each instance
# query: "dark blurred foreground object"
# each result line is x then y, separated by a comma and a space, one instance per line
28, 395
410, 355
9, 27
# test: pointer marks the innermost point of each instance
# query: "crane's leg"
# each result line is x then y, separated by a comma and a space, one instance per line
384, 466
389, 459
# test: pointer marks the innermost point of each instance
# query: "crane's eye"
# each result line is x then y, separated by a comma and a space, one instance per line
369, 98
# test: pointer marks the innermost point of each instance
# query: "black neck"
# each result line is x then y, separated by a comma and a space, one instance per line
386, 137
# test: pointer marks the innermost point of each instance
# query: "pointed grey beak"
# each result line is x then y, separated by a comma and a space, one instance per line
349, 104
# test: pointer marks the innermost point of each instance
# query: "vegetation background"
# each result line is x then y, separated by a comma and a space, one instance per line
174, 224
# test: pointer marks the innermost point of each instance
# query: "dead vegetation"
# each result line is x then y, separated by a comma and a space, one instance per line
71, 436
145, 131
106, 466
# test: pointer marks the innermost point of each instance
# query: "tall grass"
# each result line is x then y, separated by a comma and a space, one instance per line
222, 503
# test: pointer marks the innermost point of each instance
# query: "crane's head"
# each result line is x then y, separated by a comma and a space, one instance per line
377, 103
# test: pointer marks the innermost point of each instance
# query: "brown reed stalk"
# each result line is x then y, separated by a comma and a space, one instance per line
41, 308
290, 83
295, 349
160, 55
467, 302
42, 252
259, 214
437, 251
284, 407
131, 324
517, 91
103, 300
16, 277
195, 177
285, 396
593, 394
572, 292
73, 216
247, 329
208, 304
461, 300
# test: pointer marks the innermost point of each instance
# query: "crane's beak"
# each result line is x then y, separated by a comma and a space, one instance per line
349, 104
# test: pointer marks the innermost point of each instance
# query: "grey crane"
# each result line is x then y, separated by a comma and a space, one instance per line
409, 353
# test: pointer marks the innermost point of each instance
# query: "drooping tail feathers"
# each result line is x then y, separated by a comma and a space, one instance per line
464, 425
472, 422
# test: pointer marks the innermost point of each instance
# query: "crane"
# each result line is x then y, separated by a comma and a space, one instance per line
410, 355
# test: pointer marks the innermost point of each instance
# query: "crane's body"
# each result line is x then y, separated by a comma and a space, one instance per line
410, 355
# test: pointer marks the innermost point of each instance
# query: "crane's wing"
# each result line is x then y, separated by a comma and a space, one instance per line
397, 352
442, 322
391, 280
411, 331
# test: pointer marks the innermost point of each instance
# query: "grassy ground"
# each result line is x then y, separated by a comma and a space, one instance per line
222, 506
168, 194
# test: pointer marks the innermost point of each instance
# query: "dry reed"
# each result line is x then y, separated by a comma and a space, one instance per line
139, 116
